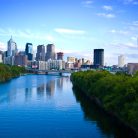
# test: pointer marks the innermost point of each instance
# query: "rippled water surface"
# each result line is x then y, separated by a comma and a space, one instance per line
44, 106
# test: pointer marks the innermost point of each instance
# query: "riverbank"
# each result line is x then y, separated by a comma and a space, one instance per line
115, 94
8, 72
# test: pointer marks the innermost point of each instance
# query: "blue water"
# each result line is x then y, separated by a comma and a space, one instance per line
43, 106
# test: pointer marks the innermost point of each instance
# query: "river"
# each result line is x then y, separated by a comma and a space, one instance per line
44, 106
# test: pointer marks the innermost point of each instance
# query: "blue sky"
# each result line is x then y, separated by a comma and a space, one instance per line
76, 27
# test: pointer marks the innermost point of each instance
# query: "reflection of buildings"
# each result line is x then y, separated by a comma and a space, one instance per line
60, 83
50, 87
40, 90
28, 94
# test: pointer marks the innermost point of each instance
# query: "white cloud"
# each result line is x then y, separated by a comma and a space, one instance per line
107, 8
134, 2
125, 45
25, 34
134, 38
106, 15
69, 31
122, 32
2, 46
87, 3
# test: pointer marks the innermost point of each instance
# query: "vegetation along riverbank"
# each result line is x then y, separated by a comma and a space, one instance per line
116, 94
7, 72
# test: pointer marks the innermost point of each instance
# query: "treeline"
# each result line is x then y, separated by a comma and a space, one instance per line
7, 72
118, 94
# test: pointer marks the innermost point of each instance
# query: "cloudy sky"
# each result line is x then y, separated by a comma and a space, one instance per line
76, 27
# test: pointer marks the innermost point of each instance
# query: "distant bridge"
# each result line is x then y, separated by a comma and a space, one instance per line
60, 72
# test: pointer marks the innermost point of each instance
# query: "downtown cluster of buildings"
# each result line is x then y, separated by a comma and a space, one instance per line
47, 59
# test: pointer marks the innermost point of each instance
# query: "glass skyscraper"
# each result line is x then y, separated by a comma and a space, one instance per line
99, 57
29, 51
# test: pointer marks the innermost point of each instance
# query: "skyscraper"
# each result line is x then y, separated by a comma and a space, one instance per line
121, 61
99, 57
50, 54
40, 55
60, 56
11, 48
29, 51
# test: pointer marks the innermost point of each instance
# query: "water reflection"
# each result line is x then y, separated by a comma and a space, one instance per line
25, 103
28, 94
60, 83
107, 125
50, 88
40, 90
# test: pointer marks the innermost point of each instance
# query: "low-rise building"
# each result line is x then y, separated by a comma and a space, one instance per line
132, 68
41, 65
1, 60
56, 64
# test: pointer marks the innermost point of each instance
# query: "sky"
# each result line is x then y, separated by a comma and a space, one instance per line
75, 27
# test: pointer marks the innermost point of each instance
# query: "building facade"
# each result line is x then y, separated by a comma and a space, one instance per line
1, 60
71, 59
132, 68
50, 53
40, 55
9, 60
60, 56
20, 60
11, 48
121, 61
29, 51
55, 64
99, 57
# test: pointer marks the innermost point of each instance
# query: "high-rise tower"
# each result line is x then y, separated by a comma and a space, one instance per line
99, 57
29, 51
11, 48
121, 61
40, 55
50, 54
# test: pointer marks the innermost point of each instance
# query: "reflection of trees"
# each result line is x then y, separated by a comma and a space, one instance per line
93, 113
50, 87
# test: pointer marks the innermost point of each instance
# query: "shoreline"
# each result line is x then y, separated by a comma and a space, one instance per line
132, 132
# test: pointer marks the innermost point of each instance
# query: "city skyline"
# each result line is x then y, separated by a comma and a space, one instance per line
74, 27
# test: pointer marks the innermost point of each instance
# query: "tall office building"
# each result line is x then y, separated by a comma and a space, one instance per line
40, 55
99, 57
11, 48
50, 54
121, 61
60, 56
29, 51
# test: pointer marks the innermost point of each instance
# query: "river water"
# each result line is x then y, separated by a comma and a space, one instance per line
44, 106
